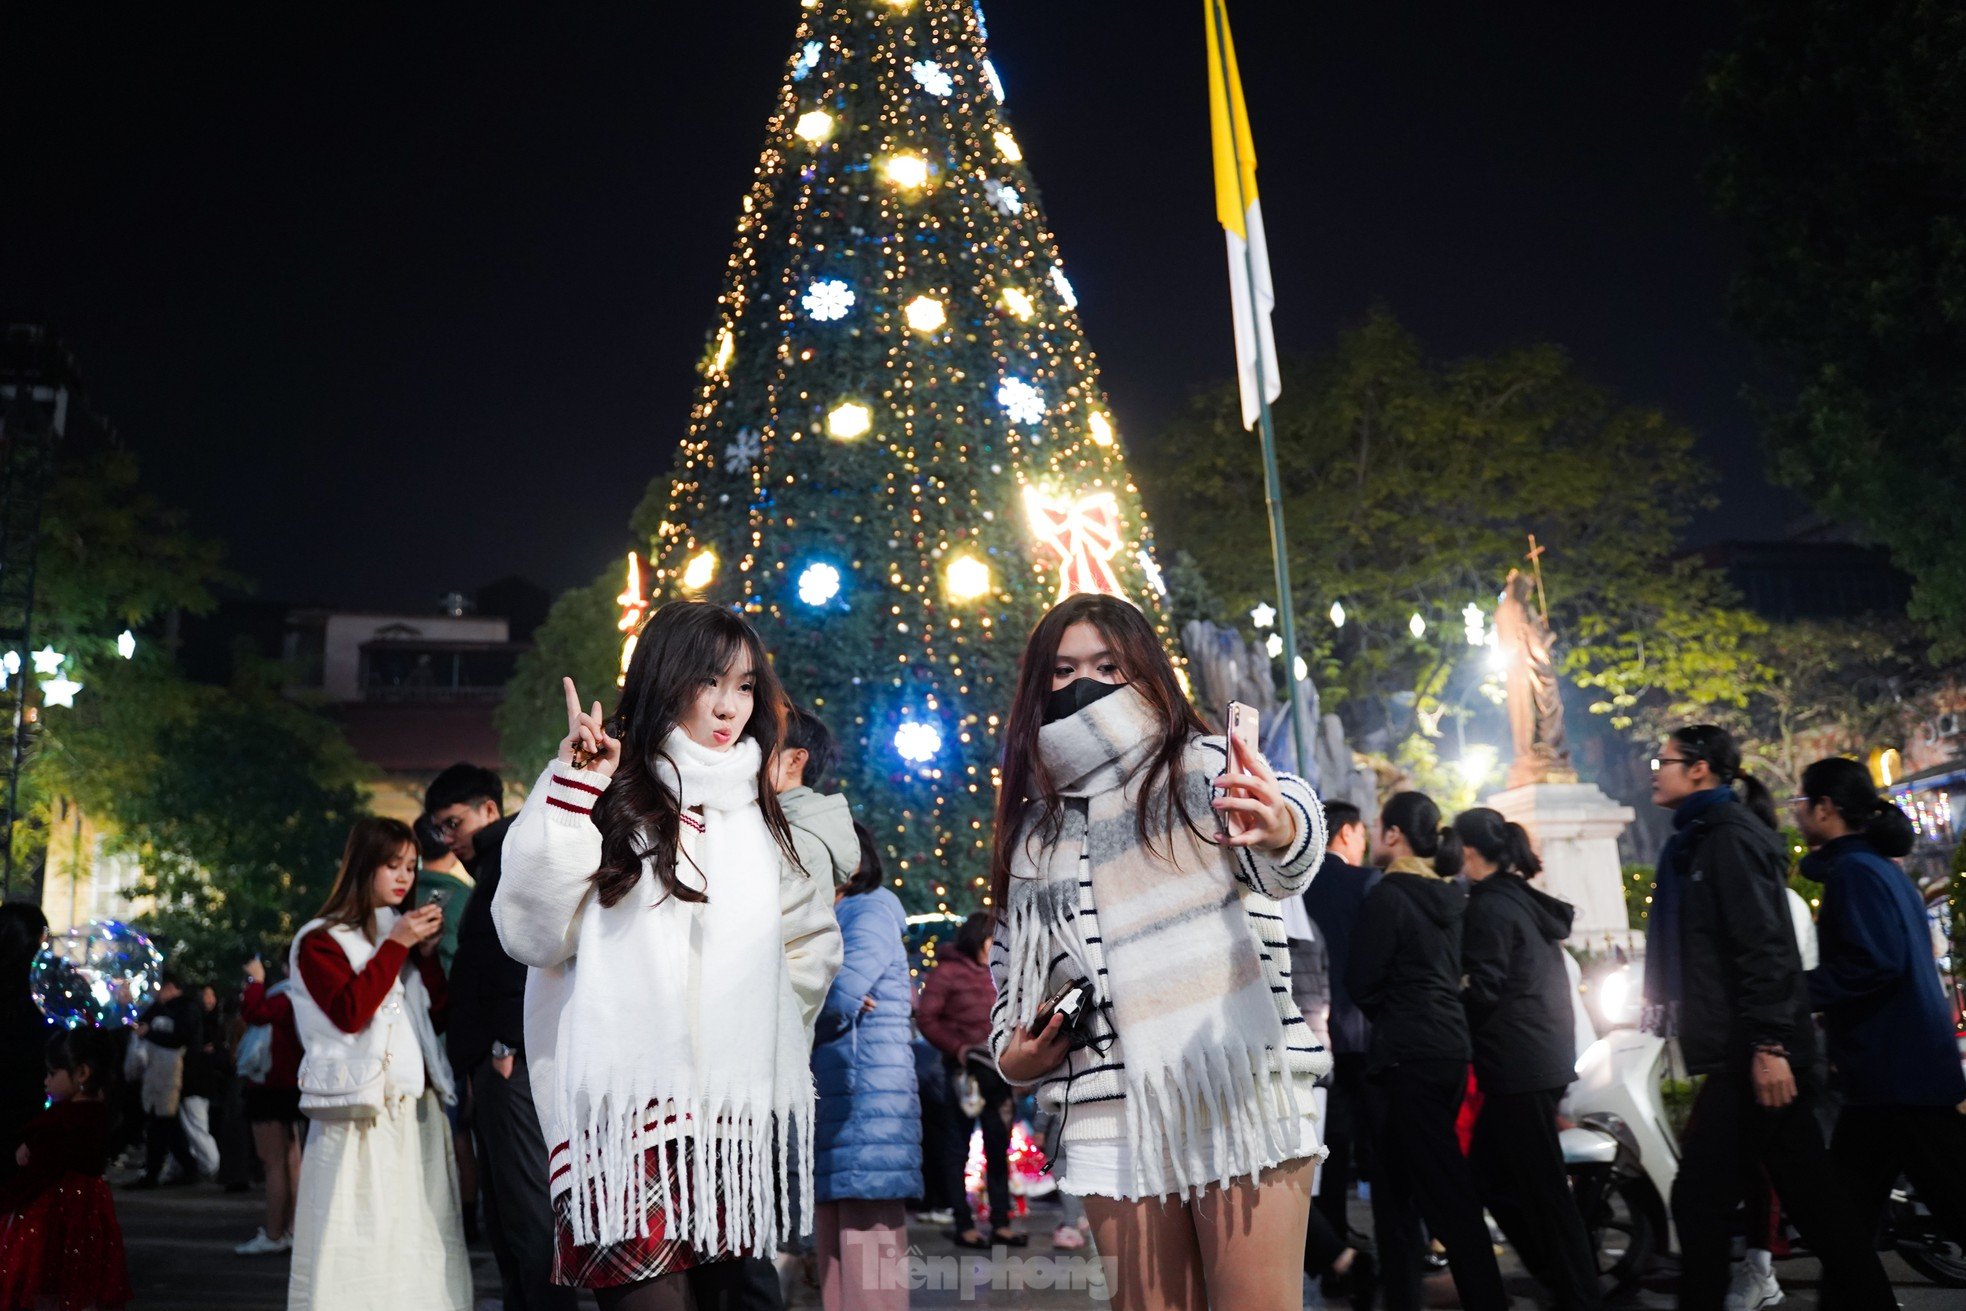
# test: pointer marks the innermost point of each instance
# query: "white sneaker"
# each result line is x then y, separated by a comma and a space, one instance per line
260, 1245
1754, 1284
942, 1217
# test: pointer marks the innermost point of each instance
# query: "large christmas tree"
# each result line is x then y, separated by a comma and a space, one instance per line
901, 454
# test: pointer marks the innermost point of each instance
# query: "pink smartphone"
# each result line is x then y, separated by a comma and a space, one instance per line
1240, 725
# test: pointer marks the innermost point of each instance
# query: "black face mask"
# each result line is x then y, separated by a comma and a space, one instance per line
1076, 696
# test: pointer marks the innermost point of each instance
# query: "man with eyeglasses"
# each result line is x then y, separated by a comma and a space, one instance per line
1723, 975
487, 1038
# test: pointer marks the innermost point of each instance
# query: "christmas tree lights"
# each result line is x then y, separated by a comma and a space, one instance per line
901, 453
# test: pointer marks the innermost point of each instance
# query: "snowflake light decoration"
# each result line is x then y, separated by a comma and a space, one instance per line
1021, 401
917, 742
807, 61
932, 77
1063, 286
819, 584
828, 299
1003, 198
742, 453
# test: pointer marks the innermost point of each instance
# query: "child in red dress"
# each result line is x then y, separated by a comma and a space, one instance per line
60, 1245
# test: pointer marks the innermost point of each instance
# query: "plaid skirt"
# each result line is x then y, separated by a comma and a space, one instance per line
610, 1265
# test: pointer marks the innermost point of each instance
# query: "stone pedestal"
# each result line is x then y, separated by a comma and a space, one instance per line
1575, 829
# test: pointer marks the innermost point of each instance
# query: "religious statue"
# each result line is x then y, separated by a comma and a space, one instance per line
1522, 629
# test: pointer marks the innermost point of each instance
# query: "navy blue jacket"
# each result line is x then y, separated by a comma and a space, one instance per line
1333, 899
867, 1144
1890, 1030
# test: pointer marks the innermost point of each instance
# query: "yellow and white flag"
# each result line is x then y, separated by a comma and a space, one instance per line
1242, 221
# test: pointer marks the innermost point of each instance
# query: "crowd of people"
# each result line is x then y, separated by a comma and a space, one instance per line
657, 1033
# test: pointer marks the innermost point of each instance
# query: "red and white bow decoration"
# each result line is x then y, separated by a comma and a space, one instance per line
1085, 533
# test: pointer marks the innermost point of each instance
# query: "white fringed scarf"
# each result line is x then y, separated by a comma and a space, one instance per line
1206, 1075
684, 1027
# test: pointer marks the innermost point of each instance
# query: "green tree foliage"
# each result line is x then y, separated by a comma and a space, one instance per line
112, 557
1410, 485
1839, 126
235, 800
578, 640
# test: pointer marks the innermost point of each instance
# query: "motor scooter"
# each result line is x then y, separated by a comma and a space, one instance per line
1622, 1154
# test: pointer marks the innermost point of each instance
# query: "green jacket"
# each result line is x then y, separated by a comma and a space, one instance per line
457, 890
822, 833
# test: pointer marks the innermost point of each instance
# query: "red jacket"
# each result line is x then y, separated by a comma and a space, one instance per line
954, 1011
351, 1000
255, 1007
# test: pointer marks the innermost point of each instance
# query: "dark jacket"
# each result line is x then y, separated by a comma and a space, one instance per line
1890, 1031
1518, 993
867, 1139
175, 1024
955, 1005
487, 987
24, 1035
1405, 969
1742, 983
1333, 900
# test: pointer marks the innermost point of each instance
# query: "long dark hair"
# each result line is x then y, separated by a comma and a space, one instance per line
869, 875
1716, 746
1847, 786
1417, 819
372, 843
681, 645
1026, 781
1503, 844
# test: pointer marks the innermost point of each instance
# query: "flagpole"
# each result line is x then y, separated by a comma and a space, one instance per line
1272, 483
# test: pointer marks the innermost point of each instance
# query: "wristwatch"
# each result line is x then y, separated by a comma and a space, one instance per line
501, 1052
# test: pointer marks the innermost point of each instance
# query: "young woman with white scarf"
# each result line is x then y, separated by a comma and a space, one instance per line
679, 957
377, 1223
1188, 1118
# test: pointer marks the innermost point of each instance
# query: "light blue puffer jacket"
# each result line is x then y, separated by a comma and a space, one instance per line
867, 1144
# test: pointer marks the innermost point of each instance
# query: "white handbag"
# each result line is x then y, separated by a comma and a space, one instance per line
343, 1087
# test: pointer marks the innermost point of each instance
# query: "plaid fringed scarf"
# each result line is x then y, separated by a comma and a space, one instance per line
1206, 1073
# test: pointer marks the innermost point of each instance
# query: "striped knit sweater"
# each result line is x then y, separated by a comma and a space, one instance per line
1091, 1083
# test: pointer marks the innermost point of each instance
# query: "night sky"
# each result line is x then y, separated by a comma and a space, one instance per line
397, 299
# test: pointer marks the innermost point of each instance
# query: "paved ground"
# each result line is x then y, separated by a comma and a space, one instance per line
180, 1244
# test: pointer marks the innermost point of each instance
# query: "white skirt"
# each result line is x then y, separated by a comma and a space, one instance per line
1105, 1167
377, 1223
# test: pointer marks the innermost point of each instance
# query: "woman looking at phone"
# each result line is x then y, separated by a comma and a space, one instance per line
679, 954
1189, 1125
377, 1226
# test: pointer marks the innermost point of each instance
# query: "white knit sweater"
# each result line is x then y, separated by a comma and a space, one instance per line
656, 1020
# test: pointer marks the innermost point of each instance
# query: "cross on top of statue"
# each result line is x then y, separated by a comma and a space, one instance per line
1535, 558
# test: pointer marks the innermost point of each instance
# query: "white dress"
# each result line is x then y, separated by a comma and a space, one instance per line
378, 1222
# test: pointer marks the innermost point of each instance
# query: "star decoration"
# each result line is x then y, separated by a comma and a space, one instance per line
1264, 615
48, 661
60, 691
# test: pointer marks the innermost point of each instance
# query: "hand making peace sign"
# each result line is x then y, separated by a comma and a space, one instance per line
587, 744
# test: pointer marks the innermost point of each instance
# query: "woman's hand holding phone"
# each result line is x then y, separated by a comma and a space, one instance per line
1030, 1053
587, 744
1253, 802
